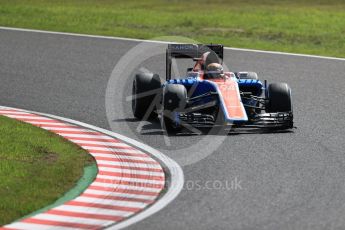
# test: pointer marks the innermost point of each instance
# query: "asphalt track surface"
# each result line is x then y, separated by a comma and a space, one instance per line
290, 180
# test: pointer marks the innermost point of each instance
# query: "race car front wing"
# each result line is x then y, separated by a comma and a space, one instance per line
280, 120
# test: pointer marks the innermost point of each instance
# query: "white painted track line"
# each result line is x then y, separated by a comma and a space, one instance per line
30, 226
163, 42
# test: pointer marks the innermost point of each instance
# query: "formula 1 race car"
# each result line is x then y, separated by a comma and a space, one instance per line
208, 96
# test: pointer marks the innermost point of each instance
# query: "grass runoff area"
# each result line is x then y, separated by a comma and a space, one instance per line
36, 168
300, 26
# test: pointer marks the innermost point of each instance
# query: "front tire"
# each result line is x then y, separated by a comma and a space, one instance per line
279, 95
174, 102
144, 106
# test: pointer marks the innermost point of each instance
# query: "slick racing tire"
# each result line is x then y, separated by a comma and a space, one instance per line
279, 95
174, 102
146, 92
248, 75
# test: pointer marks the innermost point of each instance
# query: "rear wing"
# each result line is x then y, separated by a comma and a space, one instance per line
189, 51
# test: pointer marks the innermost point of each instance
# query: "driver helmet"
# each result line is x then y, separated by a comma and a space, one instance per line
214, 70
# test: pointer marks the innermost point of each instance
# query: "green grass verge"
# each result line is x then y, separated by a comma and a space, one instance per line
301, 26
37, 167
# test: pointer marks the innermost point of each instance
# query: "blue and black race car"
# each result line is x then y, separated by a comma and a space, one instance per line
208, 96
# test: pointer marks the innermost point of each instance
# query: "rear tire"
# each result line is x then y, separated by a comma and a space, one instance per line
174, 101
142, 106
279, 95
248, 75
